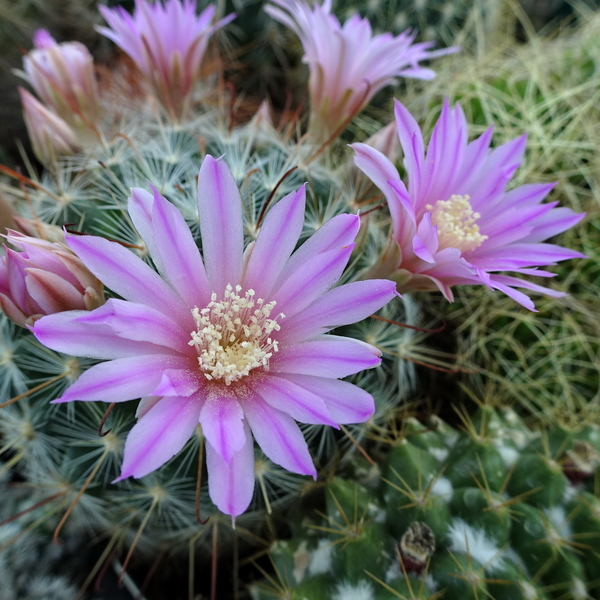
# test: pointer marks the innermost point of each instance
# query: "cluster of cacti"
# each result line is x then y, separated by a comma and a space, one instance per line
101, 134
491, 510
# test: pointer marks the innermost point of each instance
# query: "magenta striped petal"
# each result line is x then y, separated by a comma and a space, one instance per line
64, 333
327, 356
276, 241
528, 285
159, 435
524, 255
231, 486
52, 292
126, 274
312, 280
346, 402
222, 423
278, 436
145, 405
220, 209
553, 223
184, 268
122, 379
141, 323
179, 382
338, 232
343, 305
285, 395
380, 170
171, 245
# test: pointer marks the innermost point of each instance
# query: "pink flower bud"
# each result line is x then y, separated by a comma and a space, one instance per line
43, 278
62, 75
50, 135
167, 43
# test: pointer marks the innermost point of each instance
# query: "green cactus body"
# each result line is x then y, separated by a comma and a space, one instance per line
414, 535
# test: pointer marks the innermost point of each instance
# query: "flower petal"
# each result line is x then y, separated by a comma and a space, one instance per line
301, 404
343, 305
179, 382
312, 280
338, 232
138, 322
64, 332
278, 436
346, 402
126, 274
276, 241
159, 435
222, 424
220, 210
231, 486
327, 356
121, 379
171, 245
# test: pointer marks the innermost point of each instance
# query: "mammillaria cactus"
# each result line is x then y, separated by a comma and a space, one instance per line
492, 511
219, 294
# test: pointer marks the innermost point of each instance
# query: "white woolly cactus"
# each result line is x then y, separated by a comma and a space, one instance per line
464, 526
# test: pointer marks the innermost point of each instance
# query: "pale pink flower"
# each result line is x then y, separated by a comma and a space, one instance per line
236, 341
456, 223
43, 278
50, 135
348, 64
167, 42
62, 75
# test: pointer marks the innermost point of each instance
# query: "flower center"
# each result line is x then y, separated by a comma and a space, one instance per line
456, 223
234, 335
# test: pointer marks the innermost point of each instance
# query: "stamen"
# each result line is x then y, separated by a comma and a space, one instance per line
233, 336
456, 223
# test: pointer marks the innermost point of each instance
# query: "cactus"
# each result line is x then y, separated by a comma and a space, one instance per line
56, 452
491, 510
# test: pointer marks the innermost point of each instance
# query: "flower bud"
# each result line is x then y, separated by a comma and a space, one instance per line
62, 75
50, 135
43, 278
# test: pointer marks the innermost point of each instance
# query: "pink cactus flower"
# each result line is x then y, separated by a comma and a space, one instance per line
50, 135
62, 75
44, 278
348, 64
456, 223
235, 341
167, 43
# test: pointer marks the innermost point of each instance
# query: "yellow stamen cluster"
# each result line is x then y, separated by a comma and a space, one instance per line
234, 335
456, 223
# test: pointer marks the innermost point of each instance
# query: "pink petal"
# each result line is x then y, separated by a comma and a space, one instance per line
179, 382
312, 280
285, 395
159, 435
327, 356
222, 423
346, 304
278, 436
220, 209
276, 241
121, 379
64, 332
179, 255
346, 402
52, 292
126, 274
380, 170
336, 233
141, 323
231, 485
